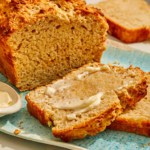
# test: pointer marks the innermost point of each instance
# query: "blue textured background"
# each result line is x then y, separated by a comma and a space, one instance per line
31, 129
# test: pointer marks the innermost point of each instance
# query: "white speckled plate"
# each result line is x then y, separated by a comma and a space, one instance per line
31, 129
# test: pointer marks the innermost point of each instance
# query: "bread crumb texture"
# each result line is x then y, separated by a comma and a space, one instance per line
136, 120
42, 40
128, 20
118, 89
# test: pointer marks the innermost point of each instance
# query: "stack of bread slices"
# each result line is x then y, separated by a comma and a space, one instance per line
87, 100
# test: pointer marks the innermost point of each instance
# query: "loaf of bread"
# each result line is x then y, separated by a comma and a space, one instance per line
87, 100
41, 40
136, 120
129, 20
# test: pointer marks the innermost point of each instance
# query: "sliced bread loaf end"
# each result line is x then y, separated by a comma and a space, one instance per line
128, 20
42, 40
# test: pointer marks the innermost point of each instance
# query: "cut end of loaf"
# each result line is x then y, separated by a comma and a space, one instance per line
125, 23
128, 35
52, 42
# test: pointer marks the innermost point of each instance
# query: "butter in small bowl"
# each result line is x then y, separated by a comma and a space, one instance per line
10, 101
5, 100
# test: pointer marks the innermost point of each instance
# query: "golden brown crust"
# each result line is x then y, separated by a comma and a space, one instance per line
6, 63
131, 126
128, 35
37, 112
15, 14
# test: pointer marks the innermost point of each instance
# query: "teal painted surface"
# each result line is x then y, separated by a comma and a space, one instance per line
108, 140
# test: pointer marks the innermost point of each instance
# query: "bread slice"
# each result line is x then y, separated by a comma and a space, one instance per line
87, 100
42, 40
136, 120
129, 20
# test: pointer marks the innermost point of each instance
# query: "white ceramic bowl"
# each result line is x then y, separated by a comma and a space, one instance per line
17, 103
